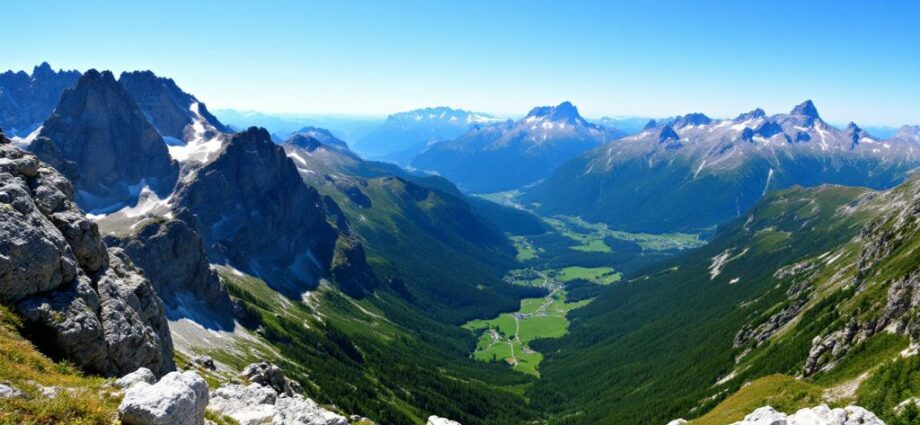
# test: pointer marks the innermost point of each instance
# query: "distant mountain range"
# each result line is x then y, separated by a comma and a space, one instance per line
692, 172
404, 135
512, 154
27, 99
283, 125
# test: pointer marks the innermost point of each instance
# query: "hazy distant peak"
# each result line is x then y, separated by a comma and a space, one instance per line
806, 109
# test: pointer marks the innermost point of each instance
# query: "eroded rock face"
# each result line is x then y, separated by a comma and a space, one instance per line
100, 140
254, 212
179, 398
172, 256
165, 104
819, 415
79, 300
26, 100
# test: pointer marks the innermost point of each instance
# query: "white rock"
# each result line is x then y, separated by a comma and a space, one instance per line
249, 405
258, 404
818, 415
7, 391
435, 420
140, 375
177, 399
678, 422
297, 410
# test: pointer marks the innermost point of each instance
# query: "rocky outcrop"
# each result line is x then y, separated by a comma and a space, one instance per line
435, 420
270, 398
179, 398
271, 376
27, 100
100, 140
757, 335
823, 415
257, 404
79, 300
169, 109
172, 256
255, 213
350, 270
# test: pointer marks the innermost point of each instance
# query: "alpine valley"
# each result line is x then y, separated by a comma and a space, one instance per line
158, 266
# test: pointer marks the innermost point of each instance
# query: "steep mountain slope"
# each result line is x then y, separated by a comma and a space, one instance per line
99, 139
170, 110
405, 134
422, 236
813, 283
512, 154
255, 213
191, 132
693, 172
27, 100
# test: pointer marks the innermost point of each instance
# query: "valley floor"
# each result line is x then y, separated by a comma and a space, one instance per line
572, 261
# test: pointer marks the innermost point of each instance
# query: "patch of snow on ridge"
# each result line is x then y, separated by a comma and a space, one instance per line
767, 186
719, 262
24, 142
199, 147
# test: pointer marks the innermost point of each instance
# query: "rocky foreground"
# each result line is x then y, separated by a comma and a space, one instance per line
818, 415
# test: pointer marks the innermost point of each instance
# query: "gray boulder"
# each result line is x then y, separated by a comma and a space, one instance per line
140, 375
179, 398
205, 362
270, 376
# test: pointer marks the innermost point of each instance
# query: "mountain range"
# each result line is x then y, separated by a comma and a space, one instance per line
156, 263
512, 154
405, 134
27, 99
692, 172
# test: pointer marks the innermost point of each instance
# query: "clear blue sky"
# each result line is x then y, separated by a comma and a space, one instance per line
858, 60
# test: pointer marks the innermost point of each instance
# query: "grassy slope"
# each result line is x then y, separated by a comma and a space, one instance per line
377, 358
81, 400
650, 349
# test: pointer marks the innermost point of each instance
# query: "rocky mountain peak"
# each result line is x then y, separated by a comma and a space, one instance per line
806, 109
172, 111
111, 165
756, 113
43, 70
252, 189
305, 141
323, 136
563, 112
667, 133
695, 118
27, 100
650, 125
909, 132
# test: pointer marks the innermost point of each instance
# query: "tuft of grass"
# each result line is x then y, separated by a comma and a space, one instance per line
81, 400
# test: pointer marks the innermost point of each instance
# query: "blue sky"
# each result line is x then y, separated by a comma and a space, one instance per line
857, 60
